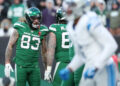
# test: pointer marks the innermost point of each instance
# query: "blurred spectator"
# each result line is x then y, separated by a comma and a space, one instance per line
58, 4
114, 19
40, 4
105, 1
16, 11
93, 5
8, 2
118, 2
3, 9
101, 11
25, 3
49, 14
5, 28
109, 4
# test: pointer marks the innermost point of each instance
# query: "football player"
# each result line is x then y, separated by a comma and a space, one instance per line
27, 36
93, 45
58, 47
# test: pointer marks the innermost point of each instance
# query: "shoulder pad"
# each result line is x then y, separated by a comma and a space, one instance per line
52, 27
18, 25
43, 28
44, 31
93, 22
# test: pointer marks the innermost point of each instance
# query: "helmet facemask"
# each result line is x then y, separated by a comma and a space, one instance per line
33, 18
35, 21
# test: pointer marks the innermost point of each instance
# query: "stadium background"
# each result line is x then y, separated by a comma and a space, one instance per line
6, 22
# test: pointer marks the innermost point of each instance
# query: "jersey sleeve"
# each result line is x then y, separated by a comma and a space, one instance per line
18, 26
52, 28
104, 38
77, 60
44, 31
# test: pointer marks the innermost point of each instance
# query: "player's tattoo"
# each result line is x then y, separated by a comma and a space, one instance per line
44, 50
51, 48
11, 43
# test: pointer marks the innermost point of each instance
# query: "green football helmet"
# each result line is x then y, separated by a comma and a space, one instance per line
31, 14
60, 16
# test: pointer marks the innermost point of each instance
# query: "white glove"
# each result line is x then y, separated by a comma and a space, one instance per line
47, 75
8, 69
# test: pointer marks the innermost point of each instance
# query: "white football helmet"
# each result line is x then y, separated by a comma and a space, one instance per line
75, 8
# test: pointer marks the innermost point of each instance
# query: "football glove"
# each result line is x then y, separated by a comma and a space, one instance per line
8, 69
90, 73
47, 75
64, 74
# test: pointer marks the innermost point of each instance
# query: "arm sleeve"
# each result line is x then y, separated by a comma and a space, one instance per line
106, 41
77, 61
44, 31
18, 26
52, 28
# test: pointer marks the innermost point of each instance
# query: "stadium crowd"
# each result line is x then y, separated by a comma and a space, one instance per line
12, 10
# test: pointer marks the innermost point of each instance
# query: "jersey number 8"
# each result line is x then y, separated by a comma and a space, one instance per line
65, 40
26, 43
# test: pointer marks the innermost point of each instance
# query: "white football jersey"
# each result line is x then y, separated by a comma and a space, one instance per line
92, 42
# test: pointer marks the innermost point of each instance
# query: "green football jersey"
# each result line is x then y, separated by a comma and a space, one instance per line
16, 11
28, 44
62, 42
